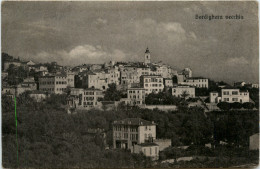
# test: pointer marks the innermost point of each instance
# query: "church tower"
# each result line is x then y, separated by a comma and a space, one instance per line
147, 57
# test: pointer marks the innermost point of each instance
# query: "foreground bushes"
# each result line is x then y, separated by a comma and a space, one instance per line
235, 105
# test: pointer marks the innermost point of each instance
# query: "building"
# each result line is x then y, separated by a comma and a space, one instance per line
38, 96
147, 57
187, 72
27, 85
15, 63
113, 75
57, 83
132, 131
84, 98
135, 96
255, 85
197, 82
252, 85
70, 79
38, 68
254, 142
151, 83
214, 97
168, 82
177, 91
230, 96
98, 79
163, 70
239, 84
9, 90
148, 149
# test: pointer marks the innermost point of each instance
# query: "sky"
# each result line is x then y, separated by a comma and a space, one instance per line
73, 33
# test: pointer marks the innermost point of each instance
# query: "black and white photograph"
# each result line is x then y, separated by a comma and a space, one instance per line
130, 84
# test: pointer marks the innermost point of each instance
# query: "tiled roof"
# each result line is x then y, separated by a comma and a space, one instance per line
134, 121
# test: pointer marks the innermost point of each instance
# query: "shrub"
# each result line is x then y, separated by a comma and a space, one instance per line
248, 105
236, 105
224, 105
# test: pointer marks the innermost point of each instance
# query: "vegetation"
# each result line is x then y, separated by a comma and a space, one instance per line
112, 94
50, 138
235, 105
161, 98
16, 74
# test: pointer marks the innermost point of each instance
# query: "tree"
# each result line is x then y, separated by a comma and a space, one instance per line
248, 105
112, 94
184, 95
224, 105
236, 105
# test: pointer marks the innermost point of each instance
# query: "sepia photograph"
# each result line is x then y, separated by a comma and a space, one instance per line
130, 84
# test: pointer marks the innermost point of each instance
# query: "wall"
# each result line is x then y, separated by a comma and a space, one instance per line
213, 97
228, 95
178, 91
142, 131
151, 151
163, 143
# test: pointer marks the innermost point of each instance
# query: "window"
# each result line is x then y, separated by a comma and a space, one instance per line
226, 99
155, 150
225, 93
234, 92
235, 99
150, 150
144, 151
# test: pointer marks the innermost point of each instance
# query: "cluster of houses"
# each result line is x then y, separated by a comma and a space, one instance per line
88, 82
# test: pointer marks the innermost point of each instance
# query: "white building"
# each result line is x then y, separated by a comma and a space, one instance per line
53, 83
84, 98
130, 131
179, 90
230, 96
214, 97
239, 84
148, 149
187, 72
197, 82
152, 83
97, 80
168, 82
135, 96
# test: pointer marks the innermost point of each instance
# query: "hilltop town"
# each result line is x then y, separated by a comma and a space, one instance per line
145, 108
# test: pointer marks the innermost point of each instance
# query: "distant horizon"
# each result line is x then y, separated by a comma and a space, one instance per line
71, 33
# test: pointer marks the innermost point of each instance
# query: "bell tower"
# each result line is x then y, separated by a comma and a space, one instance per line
147, 57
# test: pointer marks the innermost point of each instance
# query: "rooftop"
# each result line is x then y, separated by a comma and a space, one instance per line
136, 88
151, 76
196, 78
134, 121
